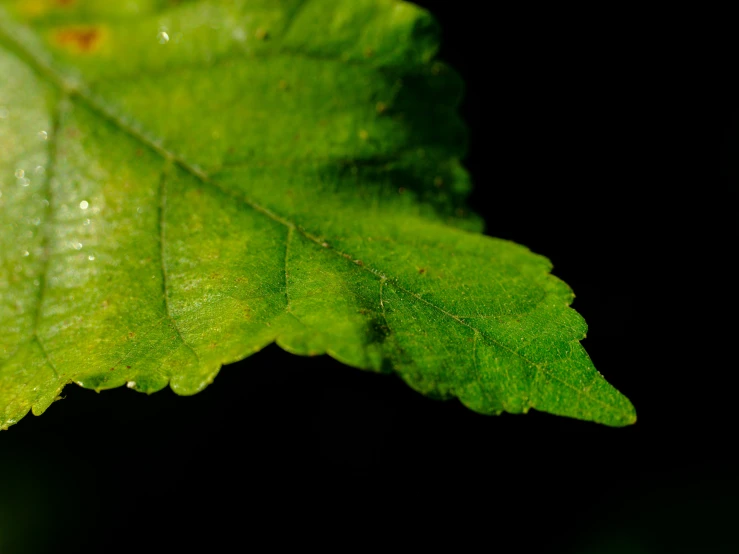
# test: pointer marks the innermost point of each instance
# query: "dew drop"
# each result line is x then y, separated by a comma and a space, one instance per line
19, 173
163, 37
86, 222
26, 254
91, 257
131, 384
77, 245
43, 135
25, 182
40, 170
84, 205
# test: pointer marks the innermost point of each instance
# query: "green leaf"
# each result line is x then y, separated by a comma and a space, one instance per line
184, 183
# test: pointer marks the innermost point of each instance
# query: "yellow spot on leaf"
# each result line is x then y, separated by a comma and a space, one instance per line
35, 8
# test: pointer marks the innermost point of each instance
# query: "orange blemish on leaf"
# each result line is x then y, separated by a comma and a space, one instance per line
80, 40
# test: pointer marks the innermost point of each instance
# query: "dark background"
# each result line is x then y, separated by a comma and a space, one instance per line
601, 140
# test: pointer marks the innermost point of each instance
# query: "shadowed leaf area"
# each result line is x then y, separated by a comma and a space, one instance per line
184, 183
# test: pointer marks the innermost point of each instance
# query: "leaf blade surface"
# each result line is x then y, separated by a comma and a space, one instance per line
262, 176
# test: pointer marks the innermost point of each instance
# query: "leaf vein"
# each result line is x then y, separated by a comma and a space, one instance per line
162, 224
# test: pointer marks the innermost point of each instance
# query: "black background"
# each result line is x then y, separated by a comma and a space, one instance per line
596, 140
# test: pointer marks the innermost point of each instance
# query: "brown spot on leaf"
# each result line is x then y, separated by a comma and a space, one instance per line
80, 40
421, 270
131, 335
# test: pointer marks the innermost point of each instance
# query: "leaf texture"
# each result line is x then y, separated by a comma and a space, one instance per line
184, 183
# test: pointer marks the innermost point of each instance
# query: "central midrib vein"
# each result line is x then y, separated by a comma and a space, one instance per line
99, 107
